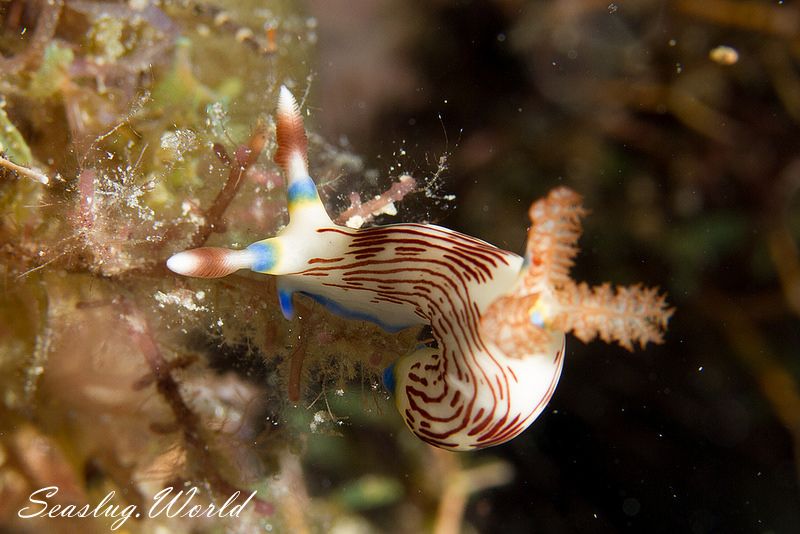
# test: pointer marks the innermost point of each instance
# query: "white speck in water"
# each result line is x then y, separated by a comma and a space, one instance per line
613, 8
243, 34
356, 221
724, 55
700, 368
501, 37
678, 68
672, 42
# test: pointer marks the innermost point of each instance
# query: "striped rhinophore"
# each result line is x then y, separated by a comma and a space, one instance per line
497, 353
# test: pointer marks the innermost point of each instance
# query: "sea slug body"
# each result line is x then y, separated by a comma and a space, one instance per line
498, 319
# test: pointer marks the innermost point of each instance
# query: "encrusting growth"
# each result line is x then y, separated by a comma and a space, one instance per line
497, 320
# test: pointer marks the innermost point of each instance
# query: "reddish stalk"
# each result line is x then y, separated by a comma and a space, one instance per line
244, 158
185, 419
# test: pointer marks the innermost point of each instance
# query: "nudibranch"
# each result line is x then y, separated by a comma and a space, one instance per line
498, 320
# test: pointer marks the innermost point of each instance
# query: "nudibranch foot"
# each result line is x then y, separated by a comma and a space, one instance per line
497, 321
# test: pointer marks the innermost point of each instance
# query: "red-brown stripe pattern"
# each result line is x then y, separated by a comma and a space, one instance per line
461, 394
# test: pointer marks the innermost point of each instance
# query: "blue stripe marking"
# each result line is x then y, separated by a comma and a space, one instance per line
285, 301
303, 189
341, 311
265, 257
389, 381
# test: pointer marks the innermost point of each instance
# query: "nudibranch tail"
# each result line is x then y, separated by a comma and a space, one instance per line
210, 262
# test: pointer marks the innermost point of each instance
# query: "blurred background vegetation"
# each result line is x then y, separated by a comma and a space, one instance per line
144, 128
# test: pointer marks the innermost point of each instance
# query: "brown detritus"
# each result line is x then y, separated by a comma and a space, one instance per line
222, 153
308, 324
296, 368
360, 213
169, 389
180, 362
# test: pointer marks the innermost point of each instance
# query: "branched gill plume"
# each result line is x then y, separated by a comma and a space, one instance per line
546, 299
552, 239
627, 315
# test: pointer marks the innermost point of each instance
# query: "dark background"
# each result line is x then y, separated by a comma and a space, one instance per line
689, 168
